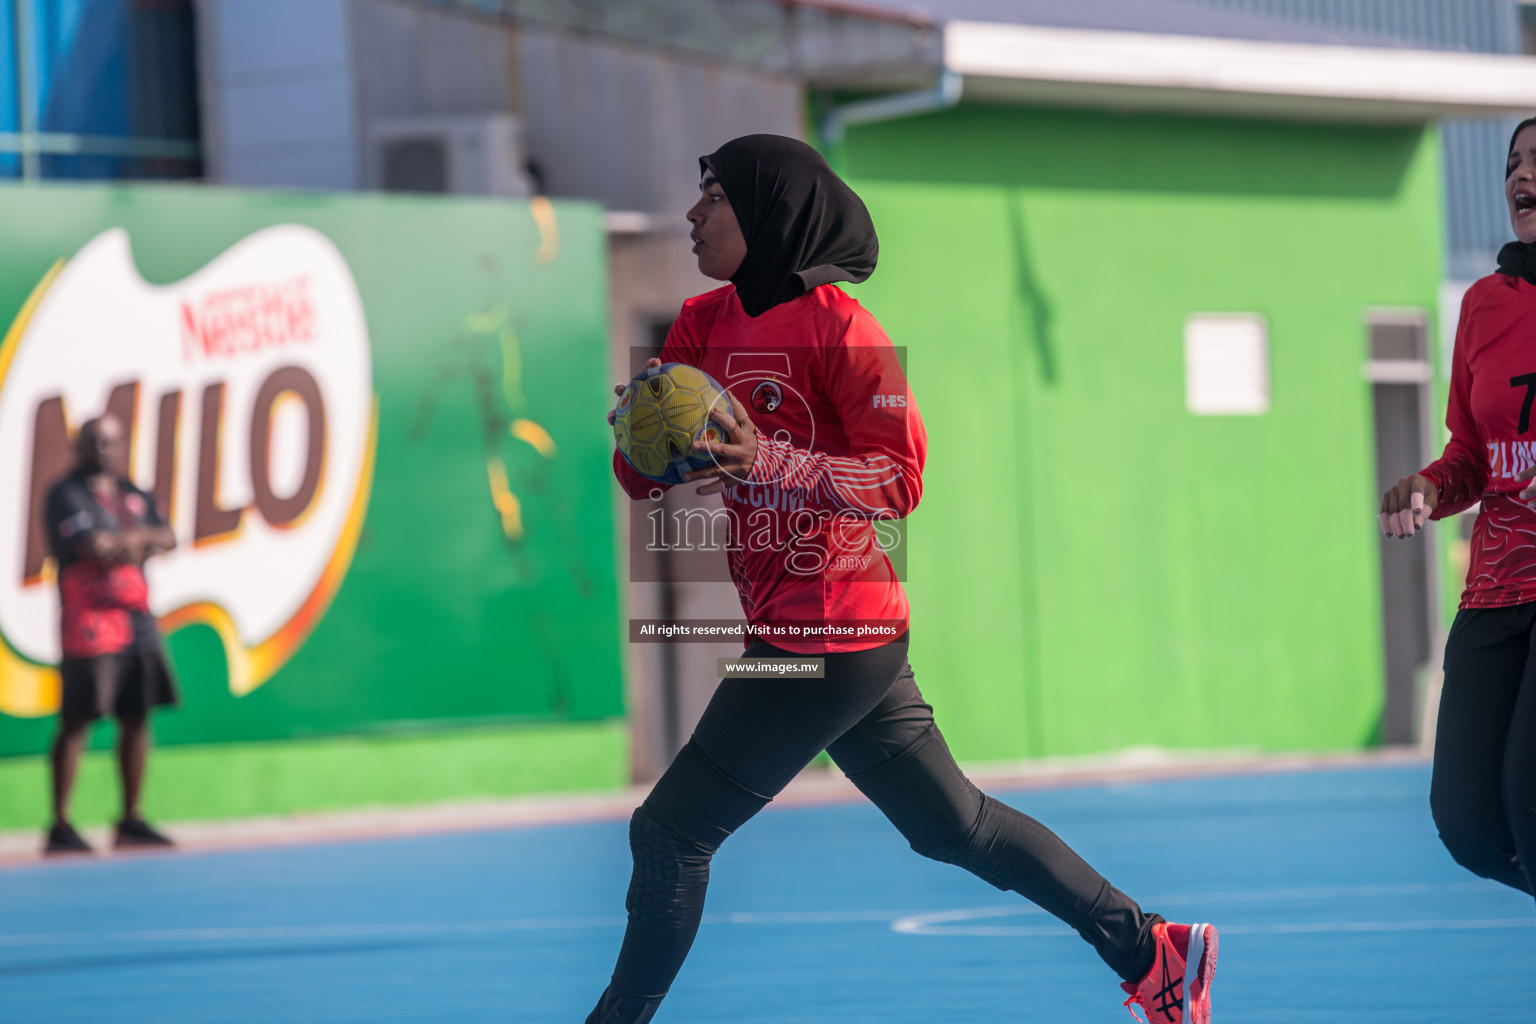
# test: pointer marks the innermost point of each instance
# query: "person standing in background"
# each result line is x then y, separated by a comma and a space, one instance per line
102, 529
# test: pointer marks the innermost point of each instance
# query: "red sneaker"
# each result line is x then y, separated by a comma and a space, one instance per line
1177, 990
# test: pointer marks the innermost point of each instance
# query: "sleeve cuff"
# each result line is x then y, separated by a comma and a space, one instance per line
1434, 476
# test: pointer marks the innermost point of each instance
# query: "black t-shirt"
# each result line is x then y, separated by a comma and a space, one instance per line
74, 510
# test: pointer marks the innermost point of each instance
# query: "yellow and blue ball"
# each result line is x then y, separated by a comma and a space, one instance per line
659, 416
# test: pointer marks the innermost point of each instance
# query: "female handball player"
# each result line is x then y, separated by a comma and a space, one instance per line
833, 445
1483, 788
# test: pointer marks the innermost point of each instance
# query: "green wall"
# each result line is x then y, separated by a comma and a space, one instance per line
245, 780
1092, 566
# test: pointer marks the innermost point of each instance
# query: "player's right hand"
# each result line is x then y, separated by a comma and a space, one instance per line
1405, 508
618, 389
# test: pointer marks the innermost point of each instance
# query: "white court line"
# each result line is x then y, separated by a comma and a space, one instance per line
1469, 924
943, 922
804, 917
951, 922
387, 929
318, 931
1332, 892
912, 926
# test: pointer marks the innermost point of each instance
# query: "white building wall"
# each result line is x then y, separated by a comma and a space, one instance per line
292, 90
627, 126
278, 93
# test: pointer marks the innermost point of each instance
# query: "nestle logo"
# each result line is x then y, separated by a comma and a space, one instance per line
249, 319
890, 401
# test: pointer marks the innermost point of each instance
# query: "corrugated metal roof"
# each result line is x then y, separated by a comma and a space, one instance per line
1037, 64
1171, 17
1476, 219
1483, 26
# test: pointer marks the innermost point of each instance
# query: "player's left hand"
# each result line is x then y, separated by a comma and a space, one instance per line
733, 460
1523, 476
618, 389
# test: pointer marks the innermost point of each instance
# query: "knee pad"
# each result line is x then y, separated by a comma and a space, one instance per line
671, 871
675, 832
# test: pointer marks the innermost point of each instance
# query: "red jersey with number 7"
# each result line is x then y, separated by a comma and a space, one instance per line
840, 450
1493, 437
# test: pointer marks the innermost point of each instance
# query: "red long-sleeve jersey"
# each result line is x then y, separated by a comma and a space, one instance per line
840, 449
1493, 384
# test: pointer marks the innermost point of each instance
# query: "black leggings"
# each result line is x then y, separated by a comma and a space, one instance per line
1484, 791
757, 734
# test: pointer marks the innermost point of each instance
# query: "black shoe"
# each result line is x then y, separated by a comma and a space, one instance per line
133, 832
62, 838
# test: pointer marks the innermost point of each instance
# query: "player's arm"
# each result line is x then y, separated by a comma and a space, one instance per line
102, 545
1455, 481
156, 540
881, 477
151, 537
80, 528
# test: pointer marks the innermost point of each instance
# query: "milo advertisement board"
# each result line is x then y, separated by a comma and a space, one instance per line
375, 426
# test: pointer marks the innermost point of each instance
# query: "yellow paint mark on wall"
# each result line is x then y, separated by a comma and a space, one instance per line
549, 229
505, 501
527, 430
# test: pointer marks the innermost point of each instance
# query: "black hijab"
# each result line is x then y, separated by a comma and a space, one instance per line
804, 227
1518, 259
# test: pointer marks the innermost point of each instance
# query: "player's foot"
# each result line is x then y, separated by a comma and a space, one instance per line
136, 832
1177, 990
62, 839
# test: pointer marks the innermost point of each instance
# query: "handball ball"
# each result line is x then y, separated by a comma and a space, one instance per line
659, 416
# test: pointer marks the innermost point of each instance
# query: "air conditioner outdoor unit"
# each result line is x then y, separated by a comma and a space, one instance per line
460, 154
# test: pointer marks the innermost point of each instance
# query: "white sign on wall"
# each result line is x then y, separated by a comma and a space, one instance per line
1226, 364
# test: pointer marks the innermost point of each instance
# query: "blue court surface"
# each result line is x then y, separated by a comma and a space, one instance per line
1334, 898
